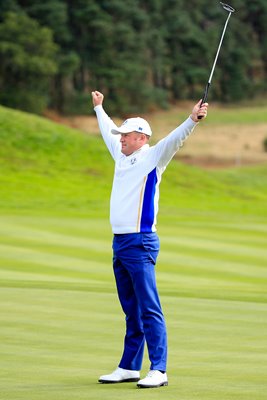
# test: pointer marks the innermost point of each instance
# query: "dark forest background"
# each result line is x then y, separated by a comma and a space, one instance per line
141, 54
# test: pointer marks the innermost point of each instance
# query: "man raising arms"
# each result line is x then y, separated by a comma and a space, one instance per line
133, 213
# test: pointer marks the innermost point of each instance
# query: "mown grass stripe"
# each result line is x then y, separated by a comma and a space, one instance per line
215, 346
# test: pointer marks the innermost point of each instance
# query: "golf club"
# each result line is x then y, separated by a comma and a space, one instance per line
205, 96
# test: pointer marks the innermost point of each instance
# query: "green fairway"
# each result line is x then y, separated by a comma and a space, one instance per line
61, 322
62, 327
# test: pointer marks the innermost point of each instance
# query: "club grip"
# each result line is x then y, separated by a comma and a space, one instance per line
204, 98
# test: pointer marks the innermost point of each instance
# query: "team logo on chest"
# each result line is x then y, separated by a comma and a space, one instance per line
133, 160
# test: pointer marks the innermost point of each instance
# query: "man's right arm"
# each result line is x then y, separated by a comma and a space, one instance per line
105, 125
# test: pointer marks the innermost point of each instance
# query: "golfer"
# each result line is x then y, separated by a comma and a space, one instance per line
133, 212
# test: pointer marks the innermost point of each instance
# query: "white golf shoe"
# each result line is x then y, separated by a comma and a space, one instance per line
120, 375
153, 379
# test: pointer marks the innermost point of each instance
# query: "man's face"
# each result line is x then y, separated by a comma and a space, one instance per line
130, 142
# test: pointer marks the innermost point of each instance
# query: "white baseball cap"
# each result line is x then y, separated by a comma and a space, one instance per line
139, 125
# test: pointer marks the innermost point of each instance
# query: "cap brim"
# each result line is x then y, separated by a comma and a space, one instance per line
119, 131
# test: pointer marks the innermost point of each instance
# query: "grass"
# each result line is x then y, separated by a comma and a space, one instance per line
225, 115
51, 168
61, 324
225, 138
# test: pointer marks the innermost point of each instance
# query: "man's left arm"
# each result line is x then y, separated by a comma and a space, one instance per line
165, 149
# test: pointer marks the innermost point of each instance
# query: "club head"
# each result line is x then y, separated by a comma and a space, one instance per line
227, 7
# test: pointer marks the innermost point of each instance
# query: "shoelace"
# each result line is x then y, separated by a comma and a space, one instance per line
151, 373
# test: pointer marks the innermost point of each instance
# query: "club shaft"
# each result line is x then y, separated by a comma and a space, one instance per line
219, 48
205, 96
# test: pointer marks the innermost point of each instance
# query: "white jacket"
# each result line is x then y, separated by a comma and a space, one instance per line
135, 192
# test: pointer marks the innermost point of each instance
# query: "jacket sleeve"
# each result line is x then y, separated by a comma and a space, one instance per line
105, 125
165, 149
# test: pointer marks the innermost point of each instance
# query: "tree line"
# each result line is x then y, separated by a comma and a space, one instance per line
141, 54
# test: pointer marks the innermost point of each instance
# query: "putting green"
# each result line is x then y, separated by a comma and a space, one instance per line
62, 327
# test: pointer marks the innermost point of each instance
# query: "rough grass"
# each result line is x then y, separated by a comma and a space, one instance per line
230, 136
49, 167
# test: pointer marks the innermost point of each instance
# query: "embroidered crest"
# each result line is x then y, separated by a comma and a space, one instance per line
133, 160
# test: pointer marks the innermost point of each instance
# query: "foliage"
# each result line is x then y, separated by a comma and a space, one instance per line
146, 54
27, 62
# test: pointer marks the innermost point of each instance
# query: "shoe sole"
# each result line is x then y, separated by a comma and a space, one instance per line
122, 381
140, 386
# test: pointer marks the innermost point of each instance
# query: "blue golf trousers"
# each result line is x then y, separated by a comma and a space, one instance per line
134, 260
